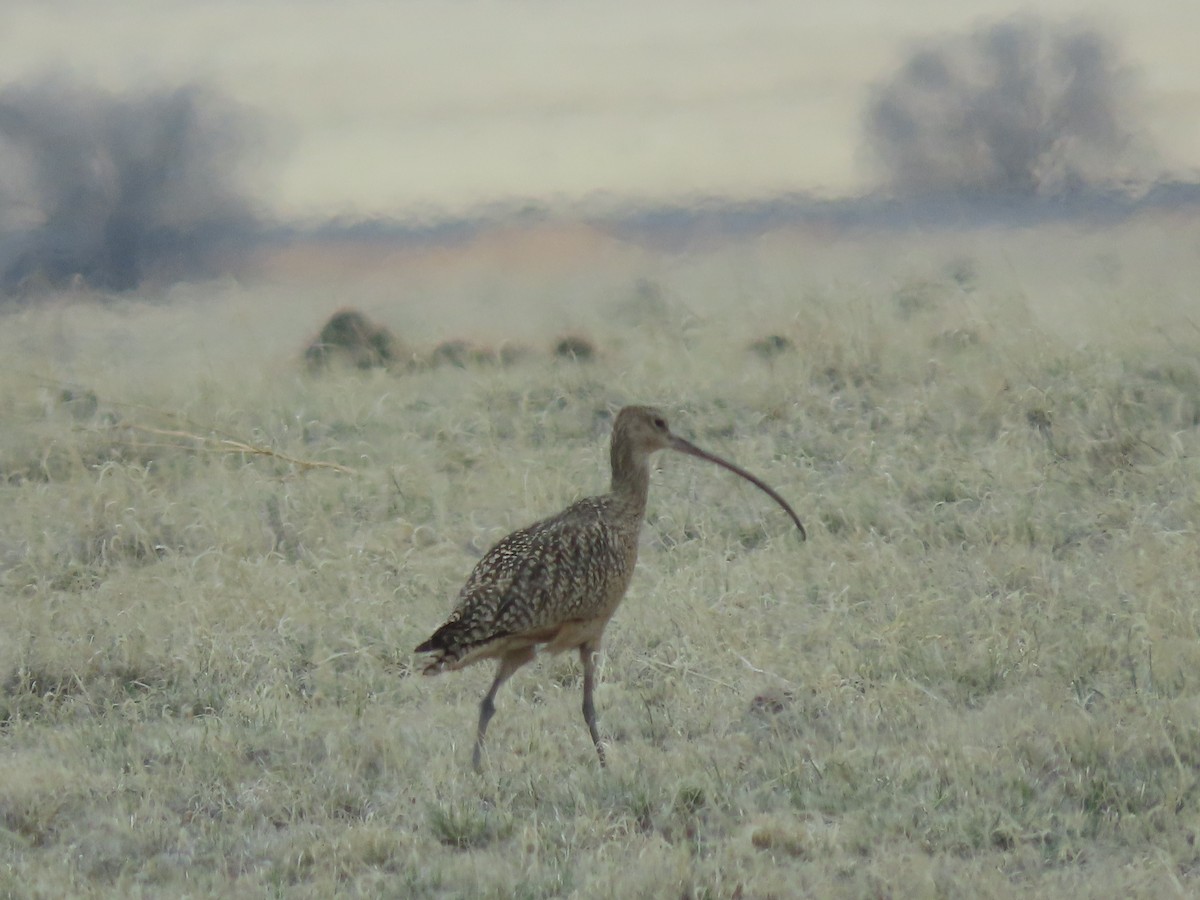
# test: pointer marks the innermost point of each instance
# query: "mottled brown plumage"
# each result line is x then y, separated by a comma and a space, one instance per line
555, 584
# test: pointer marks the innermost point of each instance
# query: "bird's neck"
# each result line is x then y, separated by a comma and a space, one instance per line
630, 478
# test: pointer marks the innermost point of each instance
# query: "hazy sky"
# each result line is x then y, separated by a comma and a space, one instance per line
382, 107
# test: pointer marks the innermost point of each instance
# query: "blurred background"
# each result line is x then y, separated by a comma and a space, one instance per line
180, 140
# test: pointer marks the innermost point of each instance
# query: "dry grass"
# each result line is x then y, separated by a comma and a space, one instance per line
981, 675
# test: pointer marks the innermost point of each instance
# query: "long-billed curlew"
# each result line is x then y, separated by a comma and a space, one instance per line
555, 584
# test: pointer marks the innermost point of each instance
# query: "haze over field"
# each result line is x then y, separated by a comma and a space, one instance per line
171, 148
390, 108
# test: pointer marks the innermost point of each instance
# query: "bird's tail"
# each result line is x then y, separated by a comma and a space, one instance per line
445, 649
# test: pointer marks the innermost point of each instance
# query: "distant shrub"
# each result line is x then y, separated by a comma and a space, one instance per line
460, 354
574, 347
771, 346
353, 339
451, 353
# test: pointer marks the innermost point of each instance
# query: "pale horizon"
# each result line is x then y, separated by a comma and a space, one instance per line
376, 109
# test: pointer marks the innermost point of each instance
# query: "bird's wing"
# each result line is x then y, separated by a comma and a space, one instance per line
548, 572
556, 570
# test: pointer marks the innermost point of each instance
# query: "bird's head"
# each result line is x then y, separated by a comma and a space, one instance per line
641, 430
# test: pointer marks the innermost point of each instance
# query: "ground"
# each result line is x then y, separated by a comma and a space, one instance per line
980, 675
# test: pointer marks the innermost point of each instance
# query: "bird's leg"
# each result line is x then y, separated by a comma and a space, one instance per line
587, 656
508, 665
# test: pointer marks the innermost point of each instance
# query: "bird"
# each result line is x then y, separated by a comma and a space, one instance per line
554, 585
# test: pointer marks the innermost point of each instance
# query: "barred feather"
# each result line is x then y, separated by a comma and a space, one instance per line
573, 567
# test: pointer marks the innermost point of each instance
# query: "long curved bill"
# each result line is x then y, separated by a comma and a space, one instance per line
678, 443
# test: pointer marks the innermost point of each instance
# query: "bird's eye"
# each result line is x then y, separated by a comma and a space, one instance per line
660, 423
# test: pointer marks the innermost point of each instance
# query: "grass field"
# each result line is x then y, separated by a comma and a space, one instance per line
979, 677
